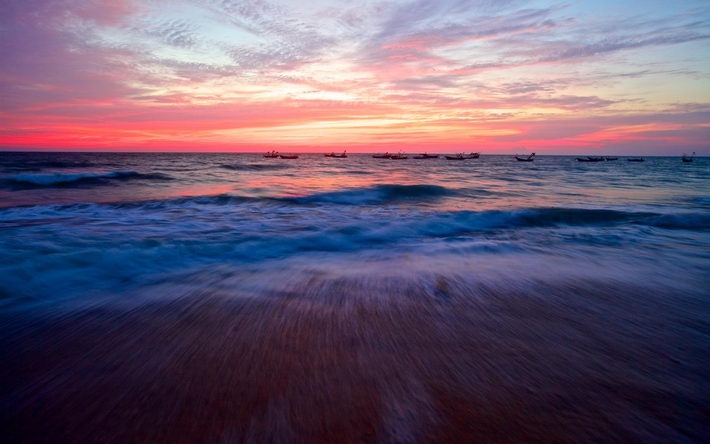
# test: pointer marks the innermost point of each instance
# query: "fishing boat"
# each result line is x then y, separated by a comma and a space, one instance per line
530, 158
382, 156
459, 156
272, 155
339, 156
399, 156
688, 158
426, 156
463, 156
635, 159
288, 156
611, 158
590, 159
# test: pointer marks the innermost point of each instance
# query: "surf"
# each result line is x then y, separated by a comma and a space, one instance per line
55, 180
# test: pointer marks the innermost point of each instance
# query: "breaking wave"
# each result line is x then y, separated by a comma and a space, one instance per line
345, 212
54, 180
379, 194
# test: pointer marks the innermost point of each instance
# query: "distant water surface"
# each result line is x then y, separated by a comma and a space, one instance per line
231, 297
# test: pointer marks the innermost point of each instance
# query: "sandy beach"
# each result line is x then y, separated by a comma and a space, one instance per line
330, 359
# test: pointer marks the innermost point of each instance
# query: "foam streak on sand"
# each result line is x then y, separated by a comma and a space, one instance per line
229, 298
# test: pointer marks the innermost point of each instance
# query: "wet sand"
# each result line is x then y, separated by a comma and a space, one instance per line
322, 358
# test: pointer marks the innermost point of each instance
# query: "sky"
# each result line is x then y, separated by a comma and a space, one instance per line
496, 76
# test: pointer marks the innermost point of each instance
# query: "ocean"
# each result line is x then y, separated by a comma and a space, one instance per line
235, 298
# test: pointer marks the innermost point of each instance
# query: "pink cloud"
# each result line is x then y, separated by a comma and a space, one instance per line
449, 73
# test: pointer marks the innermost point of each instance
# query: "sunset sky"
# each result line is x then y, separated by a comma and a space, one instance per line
497, 76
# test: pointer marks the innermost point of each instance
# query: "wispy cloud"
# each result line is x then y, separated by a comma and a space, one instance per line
283, 40
179, 33
512, 71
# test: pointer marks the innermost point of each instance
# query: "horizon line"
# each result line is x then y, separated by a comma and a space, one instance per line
53, 151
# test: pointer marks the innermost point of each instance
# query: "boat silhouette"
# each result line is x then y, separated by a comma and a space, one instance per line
688, 158
530, 158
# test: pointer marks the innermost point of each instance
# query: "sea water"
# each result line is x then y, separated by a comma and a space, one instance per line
353, 299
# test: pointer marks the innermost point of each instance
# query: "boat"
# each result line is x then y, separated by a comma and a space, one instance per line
459, 156
688, 158
426, 156
590, 159
339, 156
463, 156
399, 156
288, 156
530, 158
611, 158
382, 156
272, 155
635, 159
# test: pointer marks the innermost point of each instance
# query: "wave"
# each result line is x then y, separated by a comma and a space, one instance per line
466, 221
687, 221
30, 165
453, 224
378, 194
152, 237
322, 208
415, 220
546, 217
55, 180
